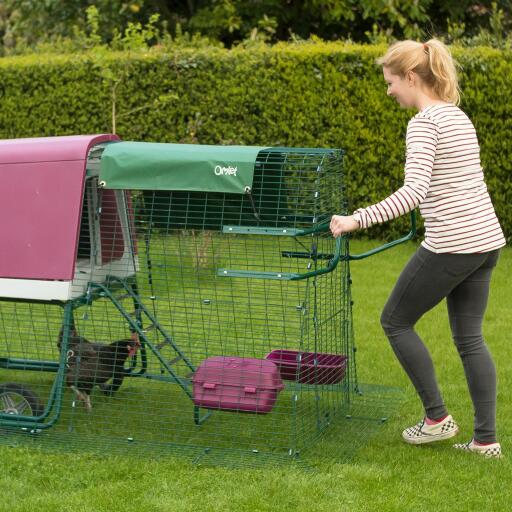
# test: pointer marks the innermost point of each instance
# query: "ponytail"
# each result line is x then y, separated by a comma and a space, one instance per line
431, 61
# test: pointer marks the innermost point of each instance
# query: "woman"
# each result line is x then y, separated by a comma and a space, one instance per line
444, 177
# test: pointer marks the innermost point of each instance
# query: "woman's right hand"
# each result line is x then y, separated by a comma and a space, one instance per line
341, 224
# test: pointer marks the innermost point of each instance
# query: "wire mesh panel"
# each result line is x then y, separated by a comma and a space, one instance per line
197, 319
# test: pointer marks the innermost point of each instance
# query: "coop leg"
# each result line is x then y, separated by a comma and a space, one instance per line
198, 420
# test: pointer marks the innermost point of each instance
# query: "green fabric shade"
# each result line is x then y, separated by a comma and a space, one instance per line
185, 167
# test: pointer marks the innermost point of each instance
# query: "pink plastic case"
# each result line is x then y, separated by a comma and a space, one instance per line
237, 384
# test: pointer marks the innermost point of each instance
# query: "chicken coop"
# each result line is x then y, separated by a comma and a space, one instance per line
159, 296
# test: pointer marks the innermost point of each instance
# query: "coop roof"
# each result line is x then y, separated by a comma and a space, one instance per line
42, 182
186, 167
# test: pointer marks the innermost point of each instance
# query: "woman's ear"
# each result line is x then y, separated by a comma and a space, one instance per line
410, 76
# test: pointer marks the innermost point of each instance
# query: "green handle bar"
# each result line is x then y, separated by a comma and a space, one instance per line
320, 228
371, 252
333, 262
286, 276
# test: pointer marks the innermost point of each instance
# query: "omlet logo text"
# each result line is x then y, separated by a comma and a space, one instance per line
225, 171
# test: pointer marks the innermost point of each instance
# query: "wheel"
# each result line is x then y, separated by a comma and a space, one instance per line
19, 399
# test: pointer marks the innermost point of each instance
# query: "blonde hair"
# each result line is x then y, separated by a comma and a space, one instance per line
431, 61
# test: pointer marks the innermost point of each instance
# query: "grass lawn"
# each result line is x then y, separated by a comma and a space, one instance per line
385, 474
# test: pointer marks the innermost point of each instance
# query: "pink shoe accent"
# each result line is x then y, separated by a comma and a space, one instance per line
429, 421
478, 443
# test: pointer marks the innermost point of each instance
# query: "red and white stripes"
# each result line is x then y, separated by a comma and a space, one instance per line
444, 177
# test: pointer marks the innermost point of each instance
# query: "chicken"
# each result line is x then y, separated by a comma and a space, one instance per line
89, 363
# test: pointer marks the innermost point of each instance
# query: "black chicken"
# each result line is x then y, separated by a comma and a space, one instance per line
91, 363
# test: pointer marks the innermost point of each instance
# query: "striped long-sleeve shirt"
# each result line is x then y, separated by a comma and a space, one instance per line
444, 177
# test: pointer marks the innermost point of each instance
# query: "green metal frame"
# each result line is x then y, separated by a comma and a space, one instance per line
53, 407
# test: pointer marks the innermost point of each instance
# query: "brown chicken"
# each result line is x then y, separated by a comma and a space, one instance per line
89, 364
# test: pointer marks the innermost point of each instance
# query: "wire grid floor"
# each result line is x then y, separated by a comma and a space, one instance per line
370, 409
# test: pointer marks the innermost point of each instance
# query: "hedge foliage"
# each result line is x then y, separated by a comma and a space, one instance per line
309, 94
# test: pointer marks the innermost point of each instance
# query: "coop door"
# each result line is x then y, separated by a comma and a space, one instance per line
112, 236
103, 235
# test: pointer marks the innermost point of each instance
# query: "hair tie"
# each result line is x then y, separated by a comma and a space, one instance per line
425, 47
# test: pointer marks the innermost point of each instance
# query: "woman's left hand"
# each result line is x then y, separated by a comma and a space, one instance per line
341, 224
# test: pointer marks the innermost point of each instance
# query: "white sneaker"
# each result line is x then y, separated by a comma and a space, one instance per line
423, 433
486, 450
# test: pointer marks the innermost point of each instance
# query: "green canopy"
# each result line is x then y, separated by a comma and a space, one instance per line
188, 167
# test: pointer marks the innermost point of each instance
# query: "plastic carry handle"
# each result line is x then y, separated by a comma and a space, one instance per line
371, 252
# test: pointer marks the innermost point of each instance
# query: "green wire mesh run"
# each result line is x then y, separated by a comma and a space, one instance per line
174, 294
347, 436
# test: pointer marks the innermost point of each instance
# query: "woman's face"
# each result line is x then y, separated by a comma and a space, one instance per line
400, 88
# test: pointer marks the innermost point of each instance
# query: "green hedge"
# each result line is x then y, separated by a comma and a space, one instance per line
311, 94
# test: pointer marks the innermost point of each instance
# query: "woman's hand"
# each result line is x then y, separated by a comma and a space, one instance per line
341, 224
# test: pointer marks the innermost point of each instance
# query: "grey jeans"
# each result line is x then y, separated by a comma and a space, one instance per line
463, 279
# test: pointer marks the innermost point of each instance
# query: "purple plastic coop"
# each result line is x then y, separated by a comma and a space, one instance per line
49, 193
